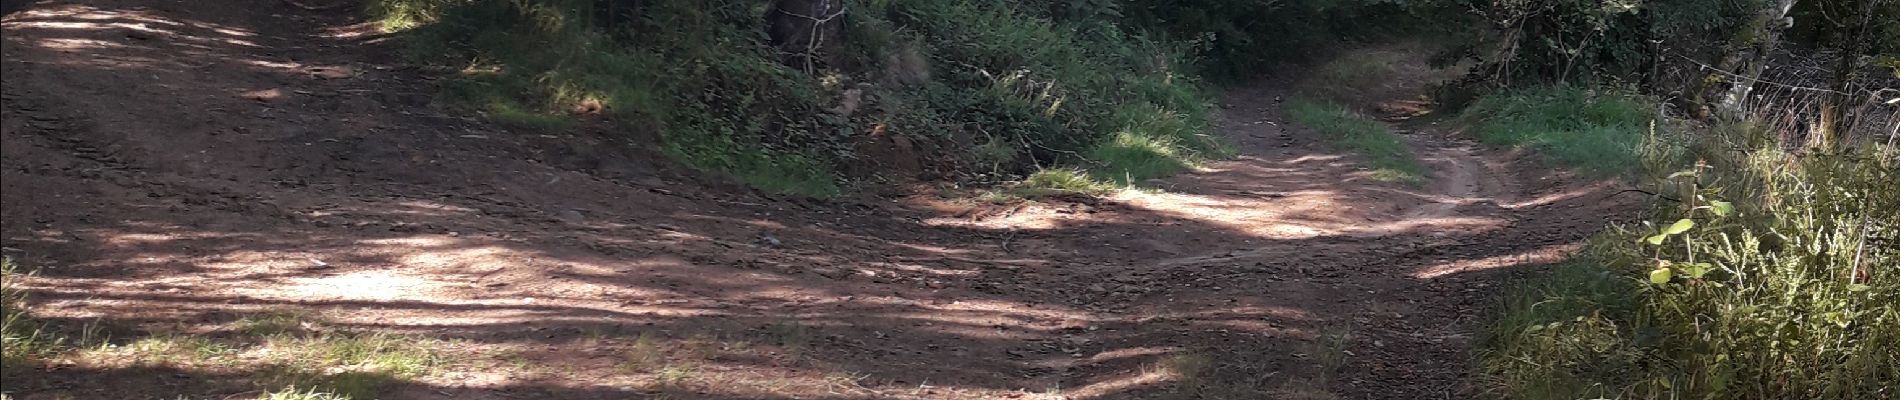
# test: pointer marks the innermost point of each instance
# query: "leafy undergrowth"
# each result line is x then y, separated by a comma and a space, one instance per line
1387, 156
1767, 276
1596, 132
1000, 89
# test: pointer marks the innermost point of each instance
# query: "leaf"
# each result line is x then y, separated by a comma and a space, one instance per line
1681, 225
1697, 270
1660, 276
1858, 287
1656, 239
1721, 208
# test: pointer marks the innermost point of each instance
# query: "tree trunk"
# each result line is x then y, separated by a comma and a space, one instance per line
1742, 66
1851, 42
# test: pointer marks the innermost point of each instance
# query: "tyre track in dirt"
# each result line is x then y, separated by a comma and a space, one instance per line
1391, 278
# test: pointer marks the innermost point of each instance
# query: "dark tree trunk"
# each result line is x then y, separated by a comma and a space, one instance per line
1739, 69
1850, 43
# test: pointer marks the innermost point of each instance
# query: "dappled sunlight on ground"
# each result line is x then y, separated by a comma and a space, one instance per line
1130, 382
176, 175
361, 286
1537, 256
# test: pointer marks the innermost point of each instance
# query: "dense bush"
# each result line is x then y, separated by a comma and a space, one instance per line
1117, 103
1000, 89
1700, 55
1558, 41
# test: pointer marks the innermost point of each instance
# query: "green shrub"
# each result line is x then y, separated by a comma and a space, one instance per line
1060, 91
1386, 155
1770, 278
1040, 92
1601, 133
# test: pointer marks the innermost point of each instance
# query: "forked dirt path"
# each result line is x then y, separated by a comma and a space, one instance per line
171, 167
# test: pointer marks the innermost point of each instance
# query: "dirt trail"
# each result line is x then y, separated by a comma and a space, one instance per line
170, 167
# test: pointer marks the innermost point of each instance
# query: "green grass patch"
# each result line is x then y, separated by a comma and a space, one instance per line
1130, 158
1769, 280
1562, 337
1596, 132
394, 354
1047, 183
270, 323
1388, 157
351, 365
1059, 181
275, 350
23, 339
302, 394
343, 365
1153, 142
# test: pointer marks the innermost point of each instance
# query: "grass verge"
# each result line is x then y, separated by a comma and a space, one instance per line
1770, 278
1388, 157
23, 339
1596, 132
276, 351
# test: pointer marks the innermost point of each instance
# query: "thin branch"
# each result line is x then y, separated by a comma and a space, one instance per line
308, 7
1664, 197
1756, 80
827, 18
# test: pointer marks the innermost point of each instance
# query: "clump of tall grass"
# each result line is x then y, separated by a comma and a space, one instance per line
1765, 276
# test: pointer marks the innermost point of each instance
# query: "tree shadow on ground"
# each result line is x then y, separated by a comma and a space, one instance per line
280, 185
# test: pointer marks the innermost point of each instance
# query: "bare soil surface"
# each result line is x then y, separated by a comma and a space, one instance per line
172, 166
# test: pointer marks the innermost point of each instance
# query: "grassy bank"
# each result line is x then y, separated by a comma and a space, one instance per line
989, 90
1764, 275
1387, 156
1598, 132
